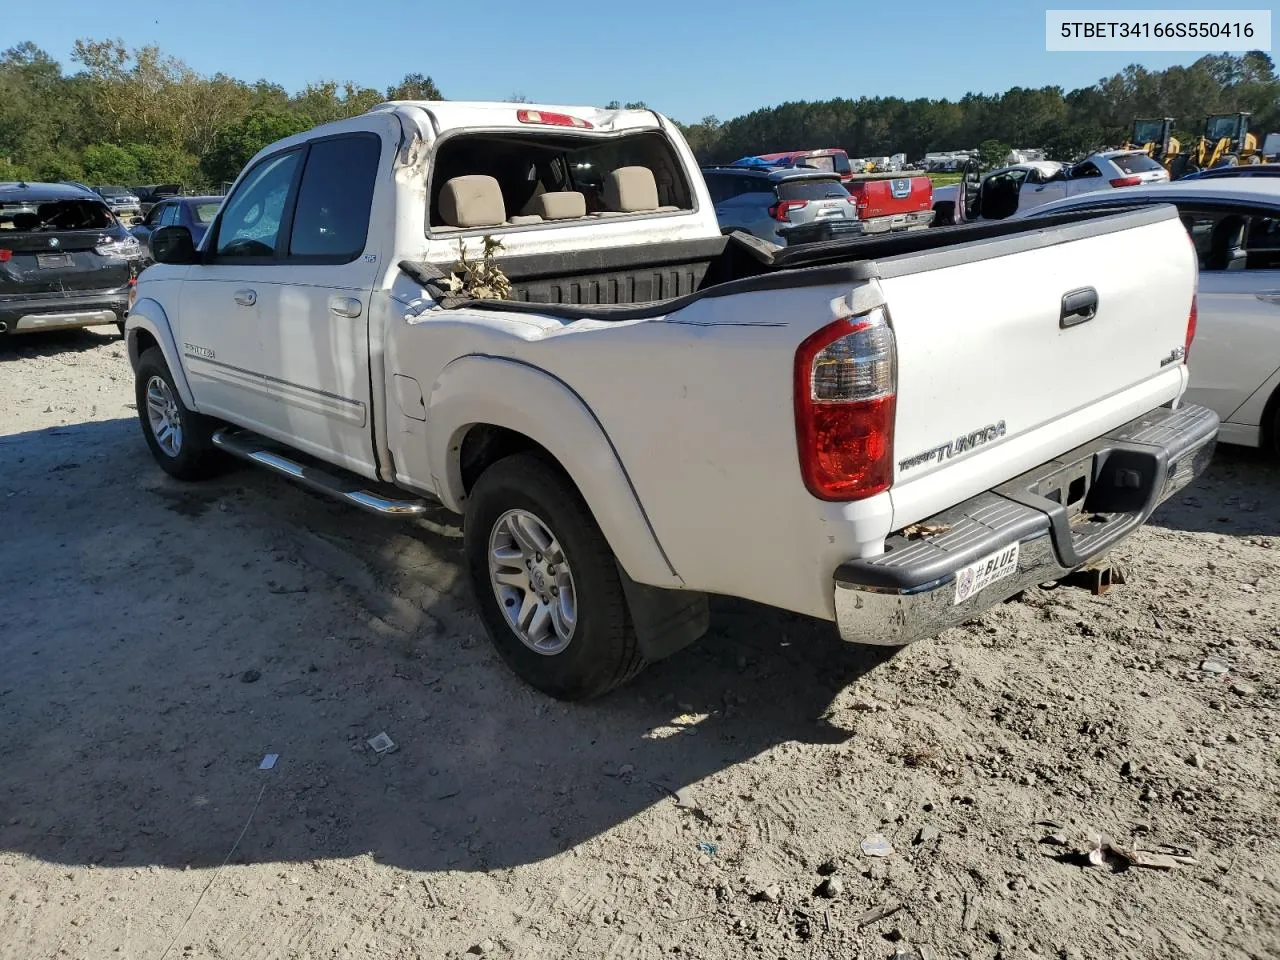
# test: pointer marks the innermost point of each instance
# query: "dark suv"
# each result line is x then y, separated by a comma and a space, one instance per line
65, 259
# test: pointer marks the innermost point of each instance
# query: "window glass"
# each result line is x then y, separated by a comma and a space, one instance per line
1136, 163
1083, 171
170, 215
205, 212
252, 220
811, 189
335, 198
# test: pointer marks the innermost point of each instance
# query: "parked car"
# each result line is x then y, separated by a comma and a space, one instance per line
656, 412
149, 196
65, 260
1234, 223
1023, 186
770, 202
194, 213
792, 205
830, 159
1245, 170
123, 203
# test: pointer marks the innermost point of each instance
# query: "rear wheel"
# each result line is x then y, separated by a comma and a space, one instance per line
180, 439
546, 581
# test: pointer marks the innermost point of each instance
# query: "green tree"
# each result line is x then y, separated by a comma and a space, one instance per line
992, 154
244, 138
415, 86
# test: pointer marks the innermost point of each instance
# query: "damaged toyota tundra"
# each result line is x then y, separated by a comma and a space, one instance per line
529, 315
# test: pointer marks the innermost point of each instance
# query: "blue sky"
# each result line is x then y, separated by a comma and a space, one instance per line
687, 59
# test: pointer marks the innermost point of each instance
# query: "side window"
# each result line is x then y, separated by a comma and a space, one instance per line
251, 219
335, 198
154, 215
717, 186
1085, 171
1219, 238
1262, 243
170, 215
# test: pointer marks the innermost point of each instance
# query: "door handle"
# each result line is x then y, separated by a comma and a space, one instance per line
348, 307
246, 298
1078, 306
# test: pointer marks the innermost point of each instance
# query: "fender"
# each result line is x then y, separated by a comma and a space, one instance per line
545, 409
147, 314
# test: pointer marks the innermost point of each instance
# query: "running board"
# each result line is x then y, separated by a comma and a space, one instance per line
328, 480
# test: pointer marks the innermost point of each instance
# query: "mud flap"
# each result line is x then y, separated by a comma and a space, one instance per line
665, 621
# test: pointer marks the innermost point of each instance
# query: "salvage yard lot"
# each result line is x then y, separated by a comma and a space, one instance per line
158, 639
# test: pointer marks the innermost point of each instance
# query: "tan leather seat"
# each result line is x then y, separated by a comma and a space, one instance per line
474, 200
631, 190
560, 205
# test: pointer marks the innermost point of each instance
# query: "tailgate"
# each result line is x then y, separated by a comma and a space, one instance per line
887, 196
42, 263
1001, 338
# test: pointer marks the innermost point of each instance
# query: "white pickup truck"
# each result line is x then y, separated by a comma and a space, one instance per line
890, 433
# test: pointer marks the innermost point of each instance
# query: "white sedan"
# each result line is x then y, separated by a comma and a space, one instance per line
1235, 360
1024, 186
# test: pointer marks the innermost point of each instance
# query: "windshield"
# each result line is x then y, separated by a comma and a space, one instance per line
817, 163
1147, 131
1215, 128
205, 212
817, 189
1136, 163
55, 215
113, 191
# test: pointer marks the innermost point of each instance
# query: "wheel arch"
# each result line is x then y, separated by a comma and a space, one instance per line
471, 425
147, 326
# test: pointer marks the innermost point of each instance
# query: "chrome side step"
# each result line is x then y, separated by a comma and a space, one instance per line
328, 480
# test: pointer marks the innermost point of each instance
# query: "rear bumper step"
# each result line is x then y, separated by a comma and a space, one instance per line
328, 480
1036, 528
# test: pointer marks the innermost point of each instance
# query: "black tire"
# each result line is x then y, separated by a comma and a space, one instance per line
120, 327
602, 651
196, 457
944, 214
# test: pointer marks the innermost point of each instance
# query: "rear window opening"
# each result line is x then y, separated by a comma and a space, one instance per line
55, 216
528, 165
811, 189
1136, 163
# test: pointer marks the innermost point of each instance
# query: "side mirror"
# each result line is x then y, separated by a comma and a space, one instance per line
174, 245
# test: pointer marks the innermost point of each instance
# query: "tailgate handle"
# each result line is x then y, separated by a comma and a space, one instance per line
1078, 306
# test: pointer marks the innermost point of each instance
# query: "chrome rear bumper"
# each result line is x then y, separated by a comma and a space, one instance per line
1036, 528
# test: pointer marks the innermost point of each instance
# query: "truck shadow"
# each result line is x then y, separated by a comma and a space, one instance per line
161, 638
1236, 496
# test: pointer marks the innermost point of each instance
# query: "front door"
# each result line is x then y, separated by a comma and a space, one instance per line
316, 348
226, 299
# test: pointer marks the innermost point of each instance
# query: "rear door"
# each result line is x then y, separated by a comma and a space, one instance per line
1237, 346
316, 342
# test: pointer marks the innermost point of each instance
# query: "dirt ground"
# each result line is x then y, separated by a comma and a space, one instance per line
158, 639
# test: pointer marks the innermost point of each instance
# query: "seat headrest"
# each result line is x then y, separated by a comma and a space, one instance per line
562, 205
631, 190
472, 201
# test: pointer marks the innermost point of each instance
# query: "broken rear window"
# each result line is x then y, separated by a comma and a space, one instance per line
55, 215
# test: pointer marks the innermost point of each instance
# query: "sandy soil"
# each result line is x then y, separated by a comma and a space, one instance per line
157, 640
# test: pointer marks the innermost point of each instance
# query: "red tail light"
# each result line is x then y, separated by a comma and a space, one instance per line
551, 119
1126, 181
781, 211
846, 383
1191, 329
6, 256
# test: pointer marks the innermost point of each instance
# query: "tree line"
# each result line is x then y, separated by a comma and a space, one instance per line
133, 116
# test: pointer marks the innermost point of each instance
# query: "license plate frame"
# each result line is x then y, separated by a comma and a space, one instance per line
51, 261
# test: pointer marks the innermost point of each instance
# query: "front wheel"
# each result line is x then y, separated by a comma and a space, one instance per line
546, 581
180, 439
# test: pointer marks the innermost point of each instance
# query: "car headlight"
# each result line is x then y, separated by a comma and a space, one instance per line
120, 248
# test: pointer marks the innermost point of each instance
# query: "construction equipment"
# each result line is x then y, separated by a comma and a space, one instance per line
1226, 142
1155, 137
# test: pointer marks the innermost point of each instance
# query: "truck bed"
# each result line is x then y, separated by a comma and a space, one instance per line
628, 283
